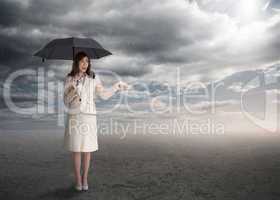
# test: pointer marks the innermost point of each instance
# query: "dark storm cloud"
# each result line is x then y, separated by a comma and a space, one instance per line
37, 12
9, 13
154, 36
132, 71
25, 29
171, 33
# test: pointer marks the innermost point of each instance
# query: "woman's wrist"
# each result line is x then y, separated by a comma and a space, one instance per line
115, 88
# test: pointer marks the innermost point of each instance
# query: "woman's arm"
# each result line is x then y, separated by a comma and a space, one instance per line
68, 82
105, 93
69, 90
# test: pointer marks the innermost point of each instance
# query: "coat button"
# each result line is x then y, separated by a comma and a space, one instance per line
80, 99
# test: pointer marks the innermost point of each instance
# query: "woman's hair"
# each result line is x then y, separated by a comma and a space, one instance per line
75, 66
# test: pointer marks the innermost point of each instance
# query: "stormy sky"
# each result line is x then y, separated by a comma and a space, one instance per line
206, 39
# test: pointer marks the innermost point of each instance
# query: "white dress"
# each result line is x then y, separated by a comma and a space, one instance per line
81, 130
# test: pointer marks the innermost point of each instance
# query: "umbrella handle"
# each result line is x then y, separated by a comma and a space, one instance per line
73, 52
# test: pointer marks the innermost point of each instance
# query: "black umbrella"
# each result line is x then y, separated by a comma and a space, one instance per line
66, 48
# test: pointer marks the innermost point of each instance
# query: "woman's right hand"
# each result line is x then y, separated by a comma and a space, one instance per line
120, 86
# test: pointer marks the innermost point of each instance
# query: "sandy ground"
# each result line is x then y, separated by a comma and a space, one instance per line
35, 166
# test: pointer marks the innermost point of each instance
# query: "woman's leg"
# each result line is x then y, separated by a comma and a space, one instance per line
86, 164
77, 167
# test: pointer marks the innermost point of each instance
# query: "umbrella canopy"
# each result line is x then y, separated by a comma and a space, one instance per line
66, 48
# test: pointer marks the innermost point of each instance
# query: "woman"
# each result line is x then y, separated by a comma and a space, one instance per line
80, 135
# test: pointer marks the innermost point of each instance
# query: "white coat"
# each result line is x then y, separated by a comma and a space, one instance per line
88, 96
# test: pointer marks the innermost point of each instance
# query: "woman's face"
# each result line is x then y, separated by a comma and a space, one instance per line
83, 64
